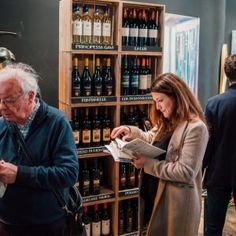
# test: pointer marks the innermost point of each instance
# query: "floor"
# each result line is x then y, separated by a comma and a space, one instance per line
230, 223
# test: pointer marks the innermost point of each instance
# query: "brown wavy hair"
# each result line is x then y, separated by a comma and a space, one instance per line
187, 106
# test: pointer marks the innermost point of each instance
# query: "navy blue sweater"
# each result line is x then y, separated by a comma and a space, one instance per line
30, 200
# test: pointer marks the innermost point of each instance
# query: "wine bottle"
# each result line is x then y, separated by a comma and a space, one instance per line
86, 129
129, 217
125, 28
143, 78
133, 39
87, 25
96, 222
106, 127
95, 178
132, 117
125, 77
97, 26
135, 214
143, 29
134, 78
122, 177
152, 30
96, 129
76, 127
123, 115
121, 227
106, 27
101, 172
86, 79
87, 221
106, 221
76, 81
76, 24
149, 75
107, 79
130, 176
97, 79
85, 179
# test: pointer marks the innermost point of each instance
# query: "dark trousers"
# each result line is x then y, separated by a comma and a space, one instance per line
216, 208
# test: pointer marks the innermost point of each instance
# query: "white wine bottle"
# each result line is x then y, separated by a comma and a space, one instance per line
106, 27
97, 26
87, 25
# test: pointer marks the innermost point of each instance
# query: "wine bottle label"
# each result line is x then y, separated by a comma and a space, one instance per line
106, 134
86, 136
96, 182
134, 81
143, 33
76, 90
121, 226
125, 81
149, 80
132, 180
76, 136
153, 33
98, 91
96, 135
97, 29
143, 82
96, 228
105, 227
109, 90
88, 229
122, 181
87, 28
125, 32
87, 91
129, 224
77, 27
134, 32
106, 31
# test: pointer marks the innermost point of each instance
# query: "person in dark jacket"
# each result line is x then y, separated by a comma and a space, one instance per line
28, 206
220, 157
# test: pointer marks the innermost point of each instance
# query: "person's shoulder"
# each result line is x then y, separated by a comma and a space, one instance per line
197, 123
52, 112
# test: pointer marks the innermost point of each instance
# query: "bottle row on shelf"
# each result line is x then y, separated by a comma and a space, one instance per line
140, 27
94, 173
97, 220
91, 176
136, 76
137, 116
128, 216
128, 176
91, 126
101, 83
95, 28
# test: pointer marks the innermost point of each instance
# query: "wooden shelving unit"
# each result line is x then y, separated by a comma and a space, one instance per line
116, 51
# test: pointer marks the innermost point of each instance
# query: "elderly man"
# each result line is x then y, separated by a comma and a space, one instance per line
28, 206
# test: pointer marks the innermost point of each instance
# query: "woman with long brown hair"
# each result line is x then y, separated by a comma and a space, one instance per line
178, 122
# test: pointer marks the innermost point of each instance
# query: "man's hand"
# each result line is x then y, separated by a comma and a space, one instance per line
8, 172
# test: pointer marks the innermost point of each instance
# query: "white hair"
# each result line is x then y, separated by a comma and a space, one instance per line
24, 74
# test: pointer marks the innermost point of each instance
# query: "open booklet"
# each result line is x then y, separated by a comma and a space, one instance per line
123, 151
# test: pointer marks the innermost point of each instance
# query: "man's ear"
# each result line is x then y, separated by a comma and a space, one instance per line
31, 95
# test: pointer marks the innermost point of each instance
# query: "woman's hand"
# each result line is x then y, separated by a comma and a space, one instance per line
138, 160
121, 130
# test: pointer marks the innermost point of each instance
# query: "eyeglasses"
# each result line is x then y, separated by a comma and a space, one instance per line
10, 102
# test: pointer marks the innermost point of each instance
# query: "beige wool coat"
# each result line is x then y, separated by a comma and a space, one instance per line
177, 205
